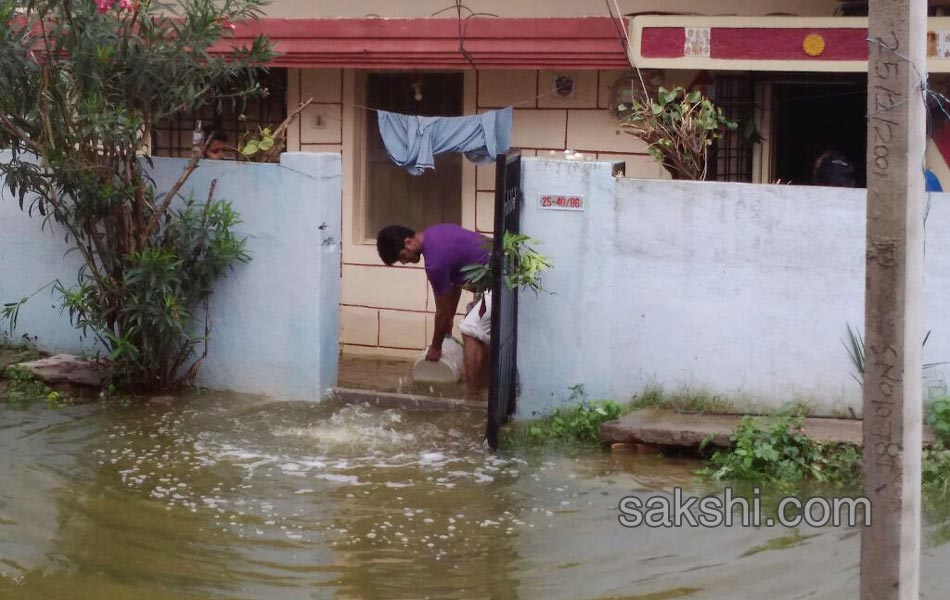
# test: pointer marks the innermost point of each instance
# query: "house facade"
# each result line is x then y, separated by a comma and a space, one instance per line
564, 65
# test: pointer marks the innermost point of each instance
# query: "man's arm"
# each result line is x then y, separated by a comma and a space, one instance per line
445, 307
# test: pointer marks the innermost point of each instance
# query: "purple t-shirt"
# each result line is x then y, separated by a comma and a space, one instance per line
446, 249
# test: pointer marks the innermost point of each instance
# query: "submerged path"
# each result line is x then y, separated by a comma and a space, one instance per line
669, 428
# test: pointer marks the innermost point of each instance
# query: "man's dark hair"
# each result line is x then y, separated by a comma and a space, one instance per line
834, 169
391, 240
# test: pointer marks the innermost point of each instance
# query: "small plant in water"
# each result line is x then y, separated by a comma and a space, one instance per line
774, 449
578, 422
25, 389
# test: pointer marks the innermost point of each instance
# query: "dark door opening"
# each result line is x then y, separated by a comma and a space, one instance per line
812, 118
392, 194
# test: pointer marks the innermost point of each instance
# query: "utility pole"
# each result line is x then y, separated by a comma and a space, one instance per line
890, 547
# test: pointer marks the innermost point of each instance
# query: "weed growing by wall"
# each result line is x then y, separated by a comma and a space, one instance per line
775, 450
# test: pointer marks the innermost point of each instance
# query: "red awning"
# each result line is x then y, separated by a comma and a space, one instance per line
492, 43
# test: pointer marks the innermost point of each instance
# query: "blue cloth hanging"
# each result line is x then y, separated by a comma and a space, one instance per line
412, 141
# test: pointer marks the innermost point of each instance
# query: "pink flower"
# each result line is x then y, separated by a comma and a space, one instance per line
126, 5
226, 23
104, 5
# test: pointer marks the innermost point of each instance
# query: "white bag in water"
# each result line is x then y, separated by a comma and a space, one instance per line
447, 370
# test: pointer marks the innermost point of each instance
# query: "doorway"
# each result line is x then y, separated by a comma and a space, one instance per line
810, 118
389, 195
392, 194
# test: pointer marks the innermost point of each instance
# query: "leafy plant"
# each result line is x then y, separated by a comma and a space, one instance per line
576, 423
776, 450
935, 470
522, 266
24, 388
259, 145
855, 348
678, 127
82, 86
939, 419
267, 144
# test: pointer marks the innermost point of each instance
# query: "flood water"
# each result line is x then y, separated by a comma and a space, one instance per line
239, 498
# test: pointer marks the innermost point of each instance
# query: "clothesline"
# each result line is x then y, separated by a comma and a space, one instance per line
515, 105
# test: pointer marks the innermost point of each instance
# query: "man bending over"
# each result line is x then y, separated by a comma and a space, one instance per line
447, 248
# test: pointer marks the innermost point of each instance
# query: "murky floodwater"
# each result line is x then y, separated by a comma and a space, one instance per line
229, 497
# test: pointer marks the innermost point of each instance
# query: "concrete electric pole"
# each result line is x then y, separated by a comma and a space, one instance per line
890, 547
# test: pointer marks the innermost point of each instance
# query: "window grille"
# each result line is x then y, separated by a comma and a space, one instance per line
730, 156
173, 138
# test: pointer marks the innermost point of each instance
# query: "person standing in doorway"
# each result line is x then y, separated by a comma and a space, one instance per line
447, 248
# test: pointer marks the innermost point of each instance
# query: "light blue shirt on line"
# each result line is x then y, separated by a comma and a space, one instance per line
412, 141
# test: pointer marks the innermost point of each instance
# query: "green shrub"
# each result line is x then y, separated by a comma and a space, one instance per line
678, 126
939, 419
935, 470
25, 389
775, 450
577, 424
75, 122
935, 467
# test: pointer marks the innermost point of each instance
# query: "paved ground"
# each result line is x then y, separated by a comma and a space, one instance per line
388, 382
391, 375
666, 428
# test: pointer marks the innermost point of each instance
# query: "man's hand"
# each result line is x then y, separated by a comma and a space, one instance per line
434, 354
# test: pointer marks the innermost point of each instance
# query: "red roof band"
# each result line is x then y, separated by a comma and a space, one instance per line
492, 43
760, 43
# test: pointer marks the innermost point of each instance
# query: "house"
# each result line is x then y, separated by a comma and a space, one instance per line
790, 72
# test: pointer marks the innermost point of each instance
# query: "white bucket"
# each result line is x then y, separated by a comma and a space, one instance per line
447, 370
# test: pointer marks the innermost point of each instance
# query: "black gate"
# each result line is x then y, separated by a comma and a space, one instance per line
504, 300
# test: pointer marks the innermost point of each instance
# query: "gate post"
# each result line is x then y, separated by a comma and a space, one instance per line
504, 310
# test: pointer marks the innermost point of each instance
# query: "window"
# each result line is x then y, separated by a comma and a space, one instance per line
173, 138
730, 158
391, 194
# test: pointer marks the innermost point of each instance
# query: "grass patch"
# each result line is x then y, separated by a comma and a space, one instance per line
11, 353
685, 401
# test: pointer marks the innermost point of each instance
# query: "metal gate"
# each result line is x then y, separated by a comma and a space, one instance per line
503, 386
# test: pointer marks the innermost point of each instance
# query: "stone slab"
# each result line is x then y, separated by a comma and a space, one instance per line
67, 369
667, 428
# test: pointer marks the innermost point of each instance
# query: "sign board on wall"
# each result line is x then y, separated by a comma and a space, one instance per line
560, 202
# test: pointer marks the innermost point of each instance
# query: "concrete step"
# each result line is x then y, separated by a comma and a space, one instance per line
405, 401
668, 428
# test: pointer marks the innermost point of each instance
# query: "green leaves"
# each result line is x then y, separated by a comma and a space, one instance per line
939, 419
678, 128
577, 424
75, 121
522, 266
775, 450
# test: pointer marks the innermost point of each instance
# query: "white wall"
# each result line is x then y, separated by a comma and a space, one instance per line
736, 289
274, 320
